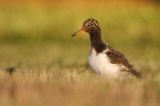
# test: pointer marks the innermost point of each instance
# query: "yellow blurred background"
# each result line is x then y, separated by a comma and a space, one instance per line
51, 66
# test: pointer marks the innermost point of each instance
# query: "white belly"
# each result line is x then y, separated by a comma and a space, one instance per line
102, 65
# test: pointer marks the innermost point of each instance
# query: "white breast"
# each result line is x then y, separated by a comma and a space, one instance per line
102, 65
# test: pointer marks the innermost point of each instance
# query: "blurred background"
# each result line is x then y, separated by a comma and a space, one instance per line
130, 25
35, 39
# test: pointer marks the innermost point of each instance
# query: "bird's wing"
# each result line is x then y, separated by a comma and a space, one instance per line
118, 58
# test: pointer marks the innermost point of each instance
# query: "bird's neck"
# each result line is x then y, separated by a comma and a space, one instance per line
96, 41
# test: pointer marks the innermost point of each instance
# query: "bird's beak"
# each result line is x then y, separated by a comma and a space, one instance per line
80, 30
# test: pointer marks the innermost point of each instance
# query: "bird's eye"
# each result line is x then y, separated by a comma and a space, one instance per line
88, 25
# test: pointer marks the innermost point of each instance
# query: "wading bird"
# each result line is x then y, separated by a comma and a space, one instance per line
103, 58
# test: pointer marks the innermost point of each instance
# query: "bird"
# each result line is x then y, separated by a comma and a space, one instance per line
103, 58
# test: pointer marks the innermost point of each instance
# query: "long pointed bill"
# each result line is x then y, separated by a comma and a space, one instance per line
74, 34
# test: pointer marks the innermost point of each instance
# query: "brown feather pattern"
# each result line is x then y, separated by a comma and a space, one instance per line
118, 58
92, 27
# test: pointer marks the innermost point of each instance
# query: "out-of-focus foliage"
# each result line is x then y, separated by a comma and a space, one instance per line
51, 67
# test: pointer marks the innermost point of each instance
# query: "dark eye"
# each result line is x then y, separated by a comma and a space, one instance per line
88, 25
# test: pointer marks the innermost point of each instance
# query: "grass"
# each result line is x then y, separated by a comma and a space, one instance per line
51, 67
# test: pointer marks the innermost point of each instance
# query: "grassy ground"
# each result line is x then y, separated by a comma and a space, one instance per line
51, 67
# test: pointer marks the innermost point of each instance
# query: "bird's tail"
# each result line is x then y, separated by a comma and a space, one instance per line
136, 73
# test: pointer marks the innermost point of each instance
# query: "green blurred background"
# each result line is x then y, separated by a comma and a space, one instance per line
35, 37
31, 28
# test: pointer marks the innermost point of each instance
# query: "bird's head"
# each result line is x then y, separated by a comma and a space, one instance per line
90, 25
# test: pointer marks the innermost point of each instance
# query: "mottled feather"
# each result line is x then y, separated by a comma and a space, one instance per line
118, 58
104, 58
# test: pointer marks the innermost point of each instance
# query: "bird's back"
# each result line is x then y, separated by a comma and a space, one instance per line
111, 62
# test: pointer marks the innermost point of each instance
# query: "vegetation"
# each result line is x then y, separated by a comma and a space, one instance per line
51, 67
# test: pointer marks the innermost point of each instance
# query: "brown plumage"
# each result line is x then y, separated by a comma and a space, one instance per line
91, 26
118, 58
